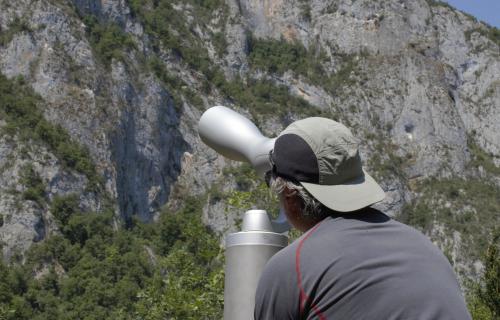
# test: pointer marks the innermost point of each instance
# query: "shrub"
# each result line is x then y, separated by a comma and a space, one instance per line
19, 107
481, 158
193, 287
278, 56
35, 187
472, 209
260, 96
63, 207
16, 26
492, 33
220, 43
418, 215
108, 40
264, 97
174, 271
490, 292
305, 11
439, 3
484, 298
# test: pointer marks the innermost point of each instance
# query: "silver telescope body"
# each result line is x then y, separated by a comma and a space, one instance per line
237, 138
246, 255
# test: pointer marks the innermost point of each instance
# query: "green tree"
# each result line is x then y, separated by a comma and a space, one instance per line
490, 293
484, 302
189, 279
63, 207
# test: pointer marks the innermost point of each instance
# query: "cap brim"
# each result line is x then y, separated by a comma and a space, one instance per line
350, 196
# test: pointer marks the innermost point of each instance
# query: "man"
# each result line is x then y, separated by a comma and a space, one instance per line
352, 262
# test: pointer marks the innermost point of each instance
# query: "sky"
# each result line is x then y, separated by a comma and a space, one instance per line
485, 10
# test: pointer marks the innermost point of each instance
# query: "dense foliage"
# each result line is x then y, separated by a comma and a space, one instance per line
19, 107
279, 56
108, 40
35, 187
471, 207
489, 293
175, 32
176, 36
484, 300
93, 267
94, 270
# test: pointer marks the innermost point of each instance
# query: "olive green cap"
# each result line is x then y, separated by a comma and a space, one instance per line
323, 156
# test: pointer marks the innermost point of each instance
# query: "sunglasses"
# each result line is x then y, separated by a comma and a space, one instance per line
271, 173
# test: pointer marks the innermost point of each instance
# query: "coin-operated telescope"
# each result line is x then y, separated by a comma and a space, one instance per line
237, 138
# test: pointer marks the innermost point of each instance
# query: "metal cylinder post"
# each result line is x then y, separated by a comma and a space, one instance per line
247, 252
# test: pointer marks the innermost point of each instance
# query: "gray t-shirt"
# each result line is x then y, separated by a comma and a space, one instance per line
360, 266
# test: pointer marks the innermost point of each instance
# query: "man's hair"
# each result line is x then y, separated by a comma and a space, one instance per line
311, 208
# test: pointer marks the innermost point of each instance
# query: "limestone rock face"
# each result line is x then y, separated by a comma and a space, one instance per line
424, 60
423, 85
127, 121
25, 220
424, 69
146, 148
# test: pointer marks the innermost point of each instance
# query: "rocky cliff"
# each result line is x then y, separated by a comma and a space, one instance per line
125, 82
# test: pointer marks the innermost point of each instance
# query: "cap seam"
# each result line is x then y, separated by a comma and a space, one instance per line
308, 140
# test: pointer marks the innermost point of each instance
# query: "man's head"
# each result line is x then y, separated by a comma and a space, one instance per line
316, 169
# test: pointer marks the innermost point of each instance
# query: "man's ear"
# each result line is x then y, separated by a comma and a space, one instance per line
289, 193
